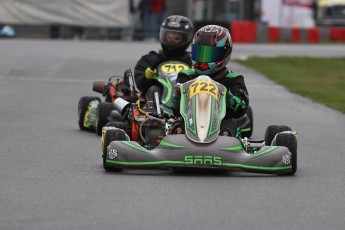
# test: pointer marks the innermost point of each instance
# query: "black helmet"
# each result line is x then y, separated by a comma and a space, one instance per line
176, 35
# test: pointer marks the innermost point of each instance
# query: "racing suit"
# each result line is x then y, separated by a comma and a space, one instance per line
152, 59
236, 102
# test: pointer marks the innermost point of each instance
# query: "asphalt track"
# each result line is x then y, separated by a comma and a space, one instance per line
51, 175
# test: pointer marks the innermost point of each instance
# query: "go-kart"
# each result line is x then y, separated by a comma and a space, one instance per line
196, 141
88, 105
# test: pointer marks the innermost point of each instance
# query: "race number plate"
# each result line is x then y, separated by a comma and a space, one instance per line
174, 68
203, 87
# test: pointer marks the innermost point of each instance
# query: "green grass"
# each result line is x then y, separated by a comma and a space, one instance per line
320, 79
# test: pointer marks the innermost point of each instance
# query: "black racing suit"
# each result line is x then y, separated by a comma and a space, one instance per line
237, 103
152, 60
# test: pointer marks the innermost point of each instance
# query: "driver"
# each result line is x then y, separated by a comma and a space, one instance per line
211, 52
176, 34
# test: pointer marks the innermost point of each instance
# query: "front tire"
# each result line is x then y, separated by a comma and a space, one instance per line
82, 107
289, 140
109, 136
273, 130
103, 111
228, 128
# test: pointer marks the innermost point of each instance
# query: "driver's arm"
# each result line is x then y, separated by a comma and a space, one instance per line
144, 62
240, 97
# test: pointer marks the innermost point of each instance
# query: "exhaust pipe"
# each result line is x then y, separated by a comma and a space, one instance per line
98, 86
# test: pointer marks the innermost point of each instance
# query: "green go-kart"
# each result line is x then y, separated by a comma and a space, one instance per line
198, 142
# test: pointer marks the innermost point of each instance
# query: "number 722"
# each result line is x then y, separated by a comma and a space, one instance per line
203, 87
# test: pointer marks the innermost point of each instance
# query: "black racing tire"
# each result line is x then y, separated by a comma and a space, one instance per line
82, 107
272, 131
119, 124
249, 113
289, 140
228, 128
109, 136
103, 111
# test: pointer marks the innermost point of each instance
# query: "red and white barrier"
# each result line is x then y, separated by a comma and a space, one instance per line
250, 32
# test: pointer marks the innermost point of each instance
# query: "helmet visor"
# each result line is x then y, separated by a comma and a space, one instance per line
174, 38
208, 54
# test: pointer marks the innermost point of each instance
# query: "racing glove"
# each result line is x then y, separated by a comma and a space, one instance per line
234, 102
150, 74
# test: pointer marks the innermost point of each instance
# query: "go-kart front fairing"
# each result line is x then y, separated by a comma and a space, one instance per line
202, 107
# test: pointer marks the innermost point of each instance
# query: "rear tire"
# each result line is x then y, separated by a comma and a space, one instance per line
289, 140
109, 136
103, 111
82, 107
249, 113
273, 130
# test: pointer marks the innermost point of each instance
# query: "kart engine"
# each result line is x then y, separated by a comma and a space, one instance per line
151, 132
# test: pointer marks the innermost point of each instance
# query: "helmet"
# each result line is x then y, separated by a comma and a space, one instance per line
175, 35
211, 49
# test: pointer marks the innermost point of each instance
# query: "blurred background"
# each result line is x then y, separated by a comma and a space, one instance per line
51, 173
250, 21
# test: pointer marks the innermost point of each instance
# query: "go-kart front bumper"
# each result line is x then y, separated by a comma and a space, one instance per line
176, 151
